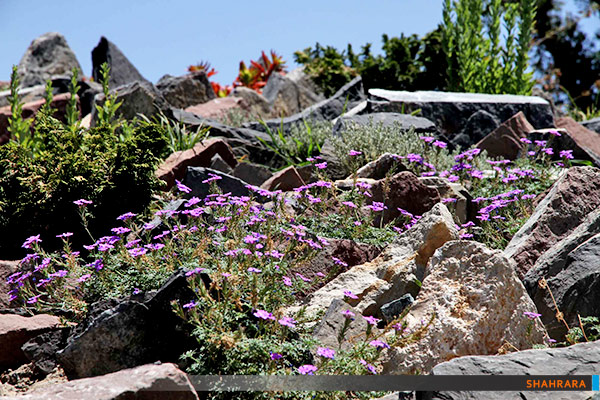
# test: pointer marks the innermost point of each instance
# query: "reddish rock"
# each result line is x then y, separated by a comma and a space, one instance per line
217, 108
572, 197
285, 180
147, 382
175, 166
15, 330
59, 102
587, 140
505, 141
347, 251
403, 190
7, 268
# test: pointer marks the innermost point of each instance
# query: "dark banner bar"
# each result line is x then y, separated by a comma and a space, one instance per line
362, 383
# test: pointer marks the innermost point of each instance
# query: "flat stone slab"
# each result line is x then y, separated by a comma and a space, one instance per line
404, 121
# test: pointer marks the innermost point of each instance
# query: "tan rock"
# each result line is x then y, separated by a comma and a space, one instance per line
477, 303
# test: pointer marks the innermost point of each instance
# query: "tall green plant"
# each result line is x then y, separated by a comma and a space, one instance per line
108, 110
476, 61
72, 110
48, 97
17, 126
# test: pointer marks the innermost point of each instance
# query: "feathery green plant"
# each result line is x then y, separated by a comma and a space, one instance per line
72, 110
17, 126
108, 110
472, 45
46, 108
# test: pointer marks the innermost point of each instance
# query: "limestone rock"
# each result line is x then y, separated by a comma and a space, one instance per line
572, 197
475, 303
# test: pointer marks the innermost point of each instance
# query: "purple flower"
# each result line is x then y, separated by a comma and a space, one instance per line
339, 262
414, 158
531, 315
568, 154
349, 294
287, 281
349, 204
58, 274
126, 216
64, 235
120, 230
154, 246
84, 278
377, 206
525, 140
182, 187
427, 139
540, 143
553, 132
371, 320
255, 270
440, 144
97, 264
531, 153
354, 153
379, 344
287, 321
326, 352
322, 165
348, 314
138, 251
466, 235
191, 304
194, 271
452, 178
275, 356
262, 314
548, 151
369, 367
307, 369
305, 279
33, 299
82, 202
212, 177
30, 240
449, 200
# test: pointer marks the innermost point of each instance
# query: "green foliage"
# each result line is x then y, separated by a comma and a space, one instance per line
178, 138
107, 111
236, 117
591, 327
17, 126
72, 110
471, 43
48, 97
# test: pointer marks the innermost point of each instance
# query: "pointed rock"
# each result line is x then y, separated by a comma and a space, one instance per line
122, 71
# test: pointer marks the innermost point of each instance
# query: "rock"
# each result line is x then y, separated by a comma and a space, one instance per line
130, 333
26, 95
122, 71
358, 109
327, 332
218, 108
348, 183
579, 359
572, 197
393, 273
299, 77
137, 98
394, 309
345, 98
286, 97
285, 180
505, 141
406, 192
592, 124
216, 162
478, 126
451, 111
348, 252
403, 121
380, 168
254, 174
256, 103
462, 206
473, 302
227, 183
187, 90
47, 56
15, 330
41, 350
7, 268
571, 272
587, 141
146, 382
175, 166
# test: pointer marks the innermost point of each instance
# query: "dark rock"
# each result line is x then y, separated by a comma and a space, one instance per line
122, 71
592, 124
47, 56
505, 141
140, 330
285, 180
345, 98
227, 183
286, 97
406, 192
478, 126
16, 330
587, 141
451, 111
395, 308
201, 155
379, 168
137, 98
579, 359
572, 197
187, 90
216, 162
335, 170
146, 382
7, 268
254, 174
404, 121
572, 274
42, 349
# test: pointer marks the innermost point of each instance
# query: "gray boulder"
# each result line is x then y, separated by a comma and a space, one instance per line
122, 71
47, 56
405, 121
187, 90
451, 111
572, 273
287, 97
580, 359
253, 174
479, 125
592, 124
344, 99
227, 183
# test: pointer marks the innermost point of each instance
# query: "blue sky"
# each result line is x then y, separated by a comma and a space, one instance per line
162, 37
